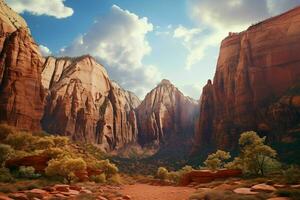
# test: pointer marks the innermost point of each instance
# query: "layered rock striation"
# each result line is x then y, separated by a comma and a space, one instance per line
165, 114
255, 70
84, 104
22, 94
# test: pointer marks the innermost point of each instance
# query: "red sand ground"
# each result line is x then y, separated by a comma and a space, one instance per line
150, 192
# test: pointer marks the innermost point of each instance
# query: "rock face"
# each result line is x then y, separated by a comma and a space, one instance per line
206, 176
255, 70
164, 114
84, 104
22, 95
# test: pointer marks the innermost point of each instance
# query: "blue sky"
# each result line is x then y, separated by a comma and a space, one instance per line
142, 41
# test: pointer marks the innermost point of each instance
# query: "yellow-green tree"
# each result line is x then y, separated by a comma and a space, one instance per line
162, 173
65, 167
217, 160
254, 153
5, 152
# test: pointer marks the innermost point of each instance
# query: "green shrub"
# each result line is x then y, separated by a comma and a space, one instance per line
292, 175
217, 160
5, 130
107, 167
162, 173
99, 178
43, 143
115, 179
65, 167
5, 175
173, 177
27, 172
55, 152
21, 141
60, 141
5, 153
291, 193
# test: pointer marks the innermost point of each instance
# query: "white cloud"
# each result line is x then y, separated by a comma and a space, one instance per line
192, 90
45, 50
54, 8
194, 41
217, 18
118, 40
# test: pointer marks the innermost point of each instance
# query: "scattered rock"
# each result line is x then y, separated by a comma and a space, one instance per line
246, 191
62, 188
18, 196
101, 198
3, 197
75, 187
295, 186
37, 193
223, 186
85, 191
279, 198
263, 187
279, 186
127, 197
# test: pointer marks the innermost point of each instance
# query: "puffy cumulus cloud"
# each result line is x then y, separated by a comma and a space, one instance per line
45, 50
217, 18
192, 40
55, 8
118, 40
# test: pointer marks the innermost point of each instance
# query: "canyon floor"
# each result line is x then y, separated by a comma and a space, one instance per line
150, 192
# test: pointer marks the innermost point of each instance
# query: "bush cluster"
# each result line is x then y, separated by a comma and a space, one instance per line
66, 159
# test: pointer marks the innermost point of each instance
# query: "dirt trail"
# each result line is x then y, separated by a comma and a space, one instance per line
150, 192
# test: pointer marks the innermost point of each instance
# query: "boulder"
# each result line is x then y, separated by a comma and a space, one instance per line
206, 176
37, 193
39, 162
245, 191
263, 187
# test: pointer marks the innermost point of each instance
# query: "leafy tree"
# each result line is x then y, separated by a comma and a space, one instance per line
65, 167
5, 175
60, 141
162, 173
107, 167
44, 143
254, 153
217, 160
27, 172
5, 130
5, 153
21, 140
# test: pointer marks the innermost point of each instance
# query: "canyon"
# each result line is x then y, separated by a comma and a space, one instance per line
255, 87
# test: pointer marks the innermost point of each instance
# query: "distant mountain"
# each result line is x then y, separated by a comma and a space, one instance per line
165, 114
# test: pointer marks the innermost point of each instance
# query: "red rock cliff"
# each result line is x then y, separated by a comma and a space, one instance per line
22, 95
86, 105
164, 114
254, 68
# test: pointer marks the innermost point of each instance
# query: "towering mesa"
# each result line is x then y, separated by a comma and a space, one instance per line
255, 71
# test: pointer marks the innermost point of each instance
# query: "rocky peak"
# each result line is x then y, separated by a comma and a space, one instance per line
10, 18
165, 82
84, 104
164, 112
